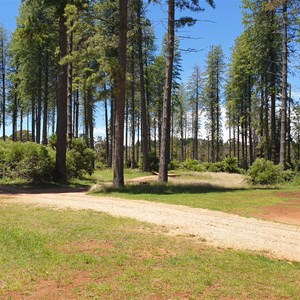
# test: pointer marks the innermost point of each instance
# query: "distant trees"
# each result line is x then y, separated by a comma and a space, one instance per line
212, 99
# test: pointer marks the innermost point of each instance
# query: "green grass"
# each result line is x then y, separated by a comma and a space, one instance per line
124, 259
242, 202
200, 191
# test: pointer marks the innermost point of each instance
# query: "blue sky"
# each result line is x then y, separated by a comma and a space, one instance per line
219, 26
216, 26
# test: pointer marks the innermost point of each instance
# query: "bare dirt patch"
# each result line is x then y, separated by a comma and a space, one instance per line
51, 289
288, 212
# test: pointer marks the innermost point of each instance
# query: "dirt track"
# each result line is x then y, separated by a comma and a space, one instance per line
216, 228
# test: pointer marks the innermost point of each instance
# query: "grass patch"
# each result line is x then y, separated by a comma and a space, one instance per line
86, 254
224, 192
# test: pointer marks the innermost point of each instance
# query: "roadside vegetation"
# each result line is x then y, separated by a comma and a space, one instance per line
92, 255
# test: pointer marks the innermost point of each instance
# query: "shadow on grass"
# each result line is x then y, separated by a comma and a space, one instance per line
171, 188
7, 188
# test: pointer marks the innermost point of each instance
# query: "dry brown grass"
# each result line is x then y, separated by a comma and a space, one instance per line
221, 180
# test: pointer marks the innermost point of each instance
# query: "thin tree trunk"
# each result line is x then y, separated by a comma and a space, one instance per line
77, 113
70, 93
126, 130
90, 106
15, 116
165, 142
282, 157
39, 104
106, 132
289, 158
133, 161
45, 115
61, 145
118, 161
144, 114
4, 93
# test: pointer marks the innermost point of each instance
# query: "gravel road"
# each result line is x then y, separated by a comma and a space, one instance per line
216, 228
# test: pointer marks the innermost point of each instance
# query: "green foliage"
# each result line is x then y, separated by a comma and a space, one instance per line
265, 172
288, 175
28, 161
174, 164
228, 165
192, 165
231, 165
80, 159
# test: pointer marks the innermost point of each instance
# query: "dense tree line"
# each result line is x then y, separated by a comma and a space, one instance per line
66, 58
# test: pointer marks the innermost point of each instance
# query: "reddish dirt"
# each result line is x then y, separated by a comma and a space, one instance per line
287, 212
52, 290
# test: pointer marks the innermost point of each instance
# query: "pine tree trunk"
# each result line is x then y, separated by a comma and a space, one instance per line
4, 93
70, 94
289, 158
118, 160
76, 125
39, 105
15, 115
165, 141
282, 158
106, 131
132, 129
61, 146
46, 95
144, 114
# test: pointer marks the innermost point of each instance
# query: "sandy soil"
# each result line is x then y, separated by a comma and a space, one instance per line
216, 228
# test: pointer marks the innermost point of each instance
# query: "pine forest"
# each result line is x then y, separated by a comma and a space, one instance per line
70, 64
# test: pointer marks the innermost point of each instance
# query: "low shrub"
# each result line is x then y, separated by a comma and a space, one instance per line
265, 172
231, 165
288, 175
174, 164
80, 159
193, 165
29, 161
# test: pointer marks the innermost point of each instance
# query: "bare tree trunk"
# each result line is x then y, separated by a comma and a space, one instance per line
33, 118
39, 104
61, 146
76, 104
282, 157
15, 115
133, 160
165, 142
46, 95
21, 124
144, 114
289, 158
70, 93
4, 93
106, 128
118, 161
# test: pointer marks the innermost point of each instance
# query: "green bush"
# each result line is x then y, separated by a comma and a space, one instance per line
174, 164
288, 175
265, 172
193, 165
231, 165
28, 161
80, 159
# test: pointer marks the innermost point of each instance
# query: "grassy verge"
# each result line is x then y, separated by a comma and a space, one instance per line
223, 192
91, 255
